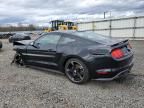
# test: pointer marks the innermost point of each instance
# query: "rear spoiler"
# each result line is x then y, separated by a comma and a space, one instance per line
120, 44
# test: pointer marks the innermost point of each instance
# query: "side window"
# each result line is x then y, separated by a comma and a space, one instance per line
66, 40
48, 40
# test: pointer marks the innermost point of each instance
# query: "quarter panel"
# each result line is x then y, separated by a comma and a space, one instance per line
73, 50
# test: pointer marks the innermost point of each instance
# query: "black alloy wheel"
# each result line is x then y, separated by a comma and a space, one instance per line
76, 71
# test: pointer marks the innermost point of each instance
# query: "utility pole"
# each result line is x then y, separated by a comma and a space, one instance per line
107, 12
110, 14
104, 14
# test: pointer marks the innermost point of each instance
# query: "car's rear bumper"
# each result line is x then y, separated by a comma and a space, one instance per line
116, 73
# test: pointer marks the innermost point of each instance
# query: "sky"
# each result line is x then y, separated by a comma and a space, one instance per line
40, 12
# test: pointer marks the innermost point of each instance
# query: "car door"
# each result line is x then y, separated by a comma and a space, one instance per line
43, 52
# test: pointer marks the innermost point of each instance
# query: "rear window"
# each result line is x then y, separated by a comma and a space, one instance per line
93, 36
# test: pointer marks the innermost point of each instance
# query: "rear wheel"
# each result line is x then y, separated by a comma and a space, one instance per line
76, 71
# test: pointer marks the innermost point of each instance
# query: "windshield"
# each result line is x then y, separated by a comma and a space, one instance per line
93, 36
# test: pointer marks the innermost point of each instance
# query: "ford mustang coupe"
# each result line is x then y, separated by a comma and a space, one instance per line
80, 55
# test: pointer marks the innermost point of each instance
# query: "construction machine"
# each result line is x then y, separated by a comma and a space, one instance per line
61, 25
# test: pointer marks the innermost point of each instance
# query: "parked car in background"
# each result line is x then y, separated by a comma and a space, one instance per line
4, 35
19, 37
0, 44
80, 55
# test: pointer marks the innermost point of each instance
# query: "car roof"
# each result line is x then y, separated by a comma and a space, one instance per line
70, 33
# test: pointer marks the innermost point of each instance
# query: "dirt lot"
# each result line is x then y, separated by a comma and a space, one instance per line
22, 87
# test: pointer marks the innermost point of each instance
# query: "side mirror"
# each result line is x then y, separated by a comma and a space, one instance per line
32, 43
36, 45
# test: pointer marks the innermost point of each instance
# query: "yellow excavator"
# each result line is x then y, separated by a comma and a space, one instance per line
61, 25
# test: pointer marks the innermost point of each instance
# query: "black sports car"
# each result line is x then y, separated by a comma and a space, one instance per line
19, 37
80, 55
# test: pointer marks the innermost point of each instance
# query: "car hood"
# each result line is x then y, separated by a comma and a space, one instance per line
24, 42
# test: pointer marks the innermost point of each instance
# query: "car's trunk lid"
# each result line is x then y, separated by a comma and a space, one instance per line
118, 43
122, 45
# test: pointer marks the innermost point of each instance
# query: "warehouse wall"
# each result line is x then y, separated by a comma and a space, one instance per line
131, 27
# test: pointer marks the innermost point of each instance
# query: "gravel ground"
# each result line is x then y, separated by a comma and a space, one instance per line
22, 87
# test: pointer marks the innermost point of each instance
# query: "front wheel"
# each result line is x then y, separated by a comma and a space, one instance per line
18, 59
76, 71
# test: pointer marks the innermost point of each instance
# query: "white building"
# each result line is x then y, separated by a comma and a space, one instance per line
128, 27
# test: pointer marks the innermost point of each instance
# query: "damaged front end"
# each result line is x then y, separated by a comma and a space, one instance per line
24, 42
17, 60
20, 47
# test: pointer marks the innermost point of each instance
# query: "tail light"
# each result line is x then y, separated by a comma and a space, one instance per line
117, 53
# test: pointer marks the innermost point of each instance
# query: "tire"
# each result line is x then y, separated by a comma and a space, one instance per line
18, 59
1, 45
76, 71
